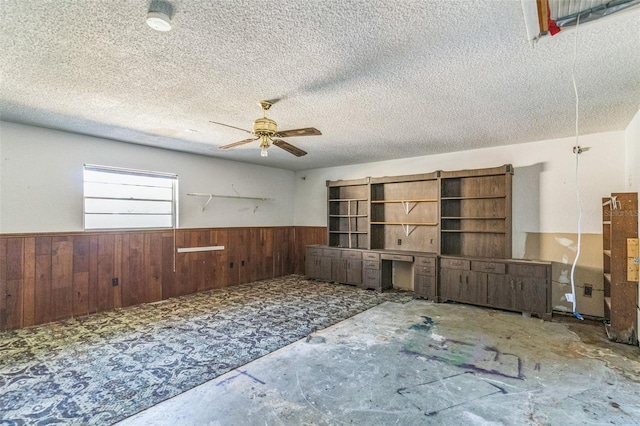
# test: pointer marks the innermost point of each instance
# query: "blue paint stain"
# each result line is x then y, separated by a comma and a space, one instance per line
426, 324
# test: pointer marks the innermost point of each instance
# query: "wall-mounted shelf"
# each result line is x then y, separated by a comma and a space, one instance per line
338, 200
406, 223
479, 197
212, 196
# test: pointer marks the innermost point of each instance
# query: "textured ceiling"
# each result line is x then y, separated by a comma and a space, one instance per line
380, 79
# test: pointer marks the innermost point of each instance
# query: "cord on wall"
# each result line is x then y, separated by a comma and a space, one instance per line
577, 151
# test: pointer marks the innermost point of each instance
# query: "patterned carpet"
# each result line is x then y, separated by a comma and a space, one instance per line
104, 367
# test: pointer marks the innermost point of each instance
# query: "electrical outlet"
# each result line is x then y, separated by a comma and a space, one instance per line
588, 290
114, 282
399, 241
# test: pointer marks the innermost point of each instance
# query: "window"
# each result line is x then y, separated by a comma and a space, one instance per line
116, 198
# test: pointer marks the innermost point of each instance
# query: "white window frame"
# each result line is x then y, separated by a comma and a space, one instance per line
98, 202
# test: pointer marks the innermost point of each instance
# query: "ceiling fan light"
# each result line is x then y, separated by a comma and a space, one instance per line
264, 152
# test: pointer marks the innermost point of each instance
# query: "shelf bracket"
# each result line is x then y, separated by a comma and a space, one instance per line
408, 229
408, 206
207, 203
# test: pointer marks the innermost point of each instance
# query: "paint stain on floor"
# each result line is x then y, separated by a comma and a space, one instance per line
426, 324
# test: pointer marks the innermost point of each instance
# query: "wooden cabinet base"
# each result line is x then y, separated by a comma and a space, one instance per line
513, 285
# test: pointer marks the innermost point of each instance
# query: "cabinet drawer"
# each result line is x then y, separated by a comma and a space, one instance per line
331, 253
455, 264
429, 271
491, 267
524, 270
348, 254
426, 261
371, 264
400, 257
371, 256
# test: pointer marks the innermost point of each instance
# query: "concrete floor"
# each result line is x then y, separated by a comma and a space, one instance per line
424, 363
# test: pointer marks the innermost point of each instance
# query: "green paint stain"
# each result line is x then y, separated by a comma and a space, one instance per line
426, 324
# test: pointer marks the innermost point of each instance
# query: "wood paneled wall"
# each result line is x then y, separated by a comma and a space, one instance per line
50, 277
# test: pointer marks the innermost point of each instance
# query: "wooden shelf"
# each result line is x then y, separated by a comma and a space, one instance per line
348, 215
406, 223
606, 222
607, 301
420, 200
607, 252
462, 231
477, 197
347, 199
471, 218
608, 278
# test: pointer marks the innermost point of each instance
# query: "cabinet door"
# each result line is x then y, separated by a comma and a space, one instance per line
310, 266
474, 288
338, 270
323, 268
464, 286
354, 272
531, 294
500, 292
451, 284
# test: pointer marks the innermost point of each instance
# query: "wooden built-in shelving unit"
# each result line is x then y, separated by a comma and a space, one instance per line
348, 214
619, 224
451, 230
475, 212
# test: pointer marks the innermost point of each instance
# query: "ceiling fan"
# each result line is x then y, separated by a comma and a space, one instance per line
265, 129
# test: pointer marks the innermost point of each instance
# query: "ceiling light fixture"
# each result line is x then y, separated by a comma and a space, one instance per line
264, 145
159, 16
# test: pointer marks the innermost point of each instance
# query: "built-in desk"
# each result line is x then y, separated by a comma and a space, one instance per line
510, 284
375, 269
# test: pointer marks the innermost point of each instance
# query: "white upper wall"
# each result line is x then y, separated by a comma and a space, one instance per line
632, 155
544, 184
41, 183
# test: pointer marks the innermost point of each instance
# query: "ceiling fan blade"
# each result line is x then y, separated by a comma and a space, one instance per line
273, 101
289, 148
233, 127
307, 131
233, 145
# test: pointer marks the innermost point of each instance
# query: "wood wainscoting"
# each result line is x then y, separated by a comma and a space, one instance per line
49, 277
